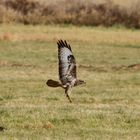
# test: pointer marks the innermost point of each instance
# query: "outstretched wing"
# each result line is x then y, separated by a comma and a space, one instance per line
67, 63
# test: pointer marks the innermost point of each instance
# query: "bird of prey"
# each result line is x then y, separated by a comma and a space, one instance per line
67, 69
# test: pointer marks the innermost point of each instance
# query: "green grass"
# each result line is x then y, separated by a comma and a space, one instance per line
107, 107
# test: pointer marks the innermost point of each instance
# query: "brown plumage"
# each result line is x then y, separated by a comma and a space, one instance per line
67, 69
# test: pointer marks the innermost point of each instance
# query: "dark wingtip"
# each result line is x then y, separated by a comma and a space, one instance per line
59, 43
63, 43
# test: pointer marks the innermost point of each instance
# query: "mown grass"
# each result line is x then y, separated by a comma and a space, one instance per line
108, 107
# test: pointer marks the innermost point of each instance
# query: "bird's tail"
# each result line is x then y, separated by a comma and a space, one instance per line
52, 83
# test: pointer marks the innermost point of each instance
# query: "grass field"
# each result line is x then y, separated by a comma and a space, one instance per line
106, 108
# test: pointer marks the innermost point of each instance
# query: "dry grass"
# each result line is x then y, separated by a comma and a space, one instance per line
97, 13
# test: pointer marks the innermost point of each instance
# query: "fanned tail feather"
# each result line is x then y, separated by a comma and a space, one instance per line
52, 83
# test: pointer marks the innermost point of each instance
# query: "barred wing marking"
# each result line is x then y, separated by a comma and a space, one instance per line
67, 63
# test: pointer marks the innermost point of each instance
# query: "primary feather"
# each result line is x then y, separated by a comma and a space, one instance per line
67, 63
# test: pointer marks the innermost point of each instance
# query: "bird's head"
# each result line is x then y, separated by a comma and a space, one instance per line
79, 82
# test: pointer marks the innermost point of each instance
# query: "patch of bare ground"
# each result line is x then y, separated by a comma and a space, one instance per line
135, 67
93, 68
47, 125
21, 65
7, 36
4, 63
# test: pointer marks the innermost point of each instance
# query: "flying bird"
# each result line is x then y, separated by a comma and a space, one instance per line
67, 69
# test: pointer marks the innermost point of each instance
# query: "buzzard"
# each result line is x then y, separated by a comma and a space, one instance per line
67, 69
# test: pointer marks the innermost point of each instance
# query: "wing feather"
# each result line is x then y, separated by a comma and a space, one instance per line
67, 62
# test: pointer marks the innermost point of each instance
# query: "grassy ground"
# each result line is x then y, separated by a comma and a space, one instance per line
108, 107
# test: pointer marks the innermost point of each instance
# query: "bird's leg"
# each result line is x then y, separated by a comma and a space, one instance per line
68, 88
